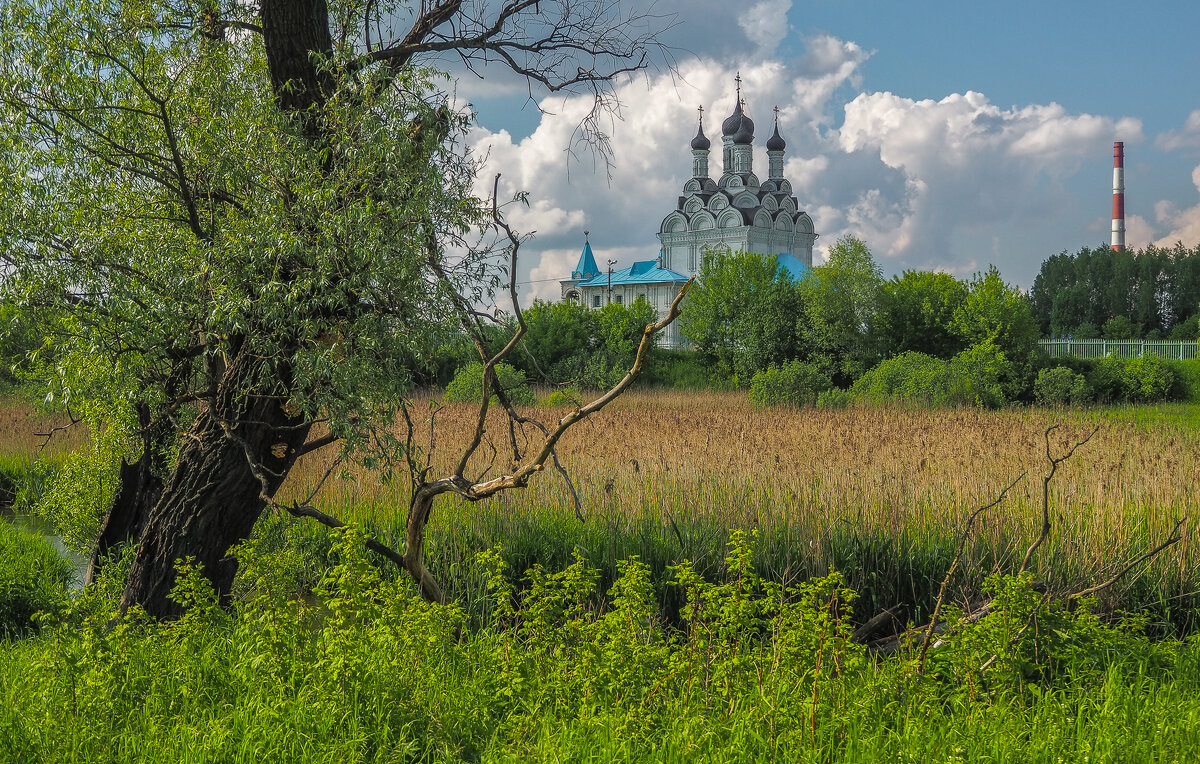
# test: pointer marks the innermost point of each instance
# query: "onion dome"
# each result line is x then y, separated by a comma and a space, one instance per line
731, 125
745, 131
775, 142
701, 142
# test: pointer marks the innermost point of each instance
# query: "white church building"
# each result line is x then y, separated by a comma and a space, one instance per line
736, 212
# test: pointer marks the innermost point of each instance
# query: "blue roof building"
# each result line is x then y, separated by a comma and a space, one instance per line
735, 213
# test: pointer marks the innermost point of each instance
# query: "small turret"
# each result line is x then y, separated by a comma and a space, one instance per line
775, 147
700, 146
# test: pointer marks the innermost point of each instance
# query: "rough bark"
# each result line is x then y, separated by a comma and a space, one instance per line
237, 453
130, 512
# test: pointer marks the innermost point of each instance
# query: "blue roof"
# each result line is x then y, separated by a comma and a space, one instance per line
587, 267
796, 269
643, 272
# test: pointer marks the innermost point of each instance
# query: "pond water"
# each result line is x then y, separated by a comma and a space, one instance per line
79, 562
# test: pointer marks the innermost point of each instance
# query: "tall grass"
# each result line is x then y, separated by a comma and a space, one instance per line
878, 493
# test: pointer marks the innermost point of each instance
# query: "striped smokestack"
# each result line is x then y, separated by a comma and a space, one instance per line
1118, 224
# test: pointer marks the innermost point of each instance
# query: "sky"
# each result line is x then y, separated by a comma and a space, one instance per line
946, 135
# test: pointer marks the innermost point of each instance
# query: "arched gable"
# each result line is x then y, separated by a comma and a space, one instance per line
693, 204
783, 222
769, 187
730, 218
702, 221
718, 202
785, 186
786, 203
762, 219
769, 203
745, 200
804, 223
674, 223
692, 186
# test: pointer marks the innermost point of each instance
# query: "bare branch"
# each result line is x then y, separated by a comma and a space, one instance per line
962, 543
1054, 462
1171, 540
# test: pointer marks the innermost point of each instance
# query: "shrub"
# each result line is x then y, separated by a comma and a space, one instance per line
1059, 386
563, 396
467, 385
1146, 379
834, 398
33, 577
971, 378
793, 384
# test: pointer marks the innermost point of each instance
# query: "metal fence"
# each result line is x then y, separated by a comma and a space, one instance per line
1172, 349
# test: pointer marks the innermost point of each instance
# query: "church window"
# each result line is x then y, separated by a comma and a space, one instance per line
596, 301
619, 300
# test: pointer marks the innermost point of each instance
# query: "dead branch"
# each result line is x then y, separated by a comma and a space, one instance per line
962, 544
1054, 462
1171, 540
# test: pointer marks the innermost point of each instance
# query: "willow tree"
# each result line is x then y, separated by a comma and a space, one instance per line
237, 222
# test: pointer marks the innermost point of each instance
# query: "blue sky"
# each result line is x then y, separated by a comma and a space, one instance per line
947, 135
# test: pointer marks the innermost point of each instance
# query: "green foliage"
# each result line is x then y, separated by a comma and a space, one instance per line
841, 301
33, 578
1148, 292
794, 384
1146, 379
560, 336
756, 671
999, 313
467, 385
1136, 380
1119, 328
565, 396
742, 313
916, 312
178, 219
974, 377
1059, 386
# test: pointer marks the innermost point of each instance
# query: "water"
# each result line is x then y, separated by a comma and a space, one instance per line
79, 562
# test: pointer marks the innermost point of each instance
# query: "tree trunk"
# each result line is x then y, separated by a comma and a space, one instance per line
213, 497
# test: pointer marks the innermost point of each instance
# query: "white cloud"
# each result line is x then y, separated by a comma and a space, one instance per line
1186, 137
1184, 225
765, 24
949, 184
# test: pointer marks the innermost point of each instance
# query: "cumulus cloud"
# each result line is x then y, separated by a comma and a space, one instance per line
1186, 137
765, 24
947, 184
1184, 225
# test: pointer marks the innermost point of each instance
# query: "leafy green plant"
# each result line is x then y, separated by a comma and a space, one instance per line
467, 385
33, 577
1059, 386
793, 384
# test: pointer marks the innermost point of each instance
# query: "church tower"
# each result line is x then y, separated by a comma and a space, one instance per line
737, 212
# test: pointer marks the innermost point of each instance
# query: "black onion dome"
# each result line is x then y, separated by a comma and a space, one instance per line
731, 125
775, 142
701, 142
745, 132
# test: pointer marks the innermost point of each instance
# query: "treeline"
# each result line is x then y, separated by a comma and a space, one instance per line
1150, 293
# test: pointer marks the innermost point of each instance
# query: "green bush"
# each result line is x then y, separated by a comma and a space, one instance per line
1146, 379
793, 384
467, 385
834, 398
564, 396
33, 577
971, 378
1059, 386
1187, 381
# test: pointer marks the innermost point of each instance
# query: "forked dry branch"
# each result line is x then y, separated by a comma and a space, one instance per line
524, 465
936, 626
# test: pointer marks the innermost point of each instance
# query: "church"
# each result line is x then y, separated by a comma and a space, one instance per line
736, 212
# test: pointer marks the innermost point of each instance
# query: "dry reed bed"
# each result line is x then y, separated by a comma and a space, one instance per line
23, 428
876, 472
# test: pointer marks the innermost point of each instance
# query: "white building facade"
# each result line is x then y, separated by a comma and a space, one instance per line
734, 213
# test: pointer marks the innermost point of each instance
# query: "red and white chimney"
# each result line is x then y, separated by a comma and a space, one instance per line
1118, 219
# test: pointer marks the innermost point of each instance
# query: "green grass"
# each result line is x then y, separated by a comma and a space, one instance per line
33, 577
752, 673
